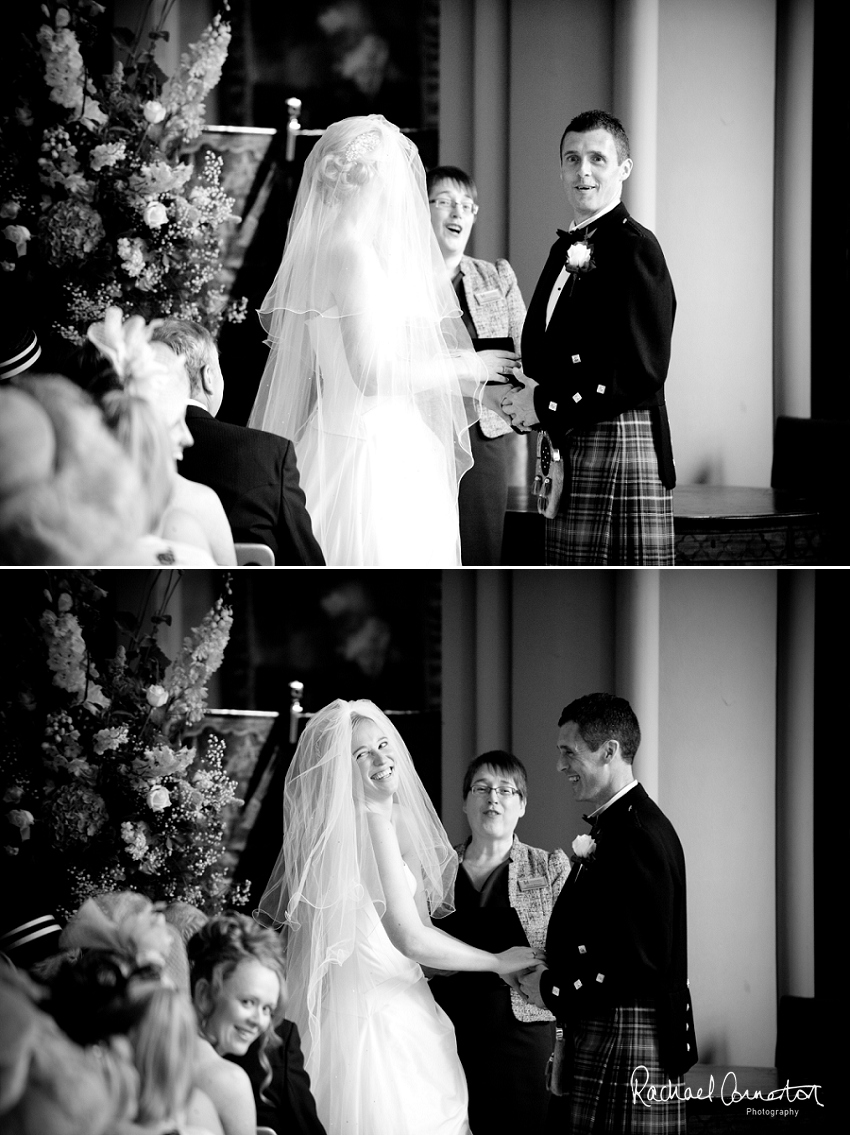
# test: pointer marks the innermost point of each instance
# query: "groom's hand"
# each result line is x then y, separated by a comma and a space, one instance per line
518, 405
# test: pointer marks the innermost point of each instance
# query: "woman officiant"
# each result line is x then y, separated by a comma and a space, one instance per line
504, 894
493, 313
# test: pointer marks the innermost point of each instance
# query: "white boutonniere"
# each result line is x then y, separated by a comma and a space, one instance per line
579, 258
584, 847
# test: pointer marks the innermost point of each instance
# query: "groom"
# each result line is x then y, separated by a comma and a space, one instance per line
595, 352
616, 951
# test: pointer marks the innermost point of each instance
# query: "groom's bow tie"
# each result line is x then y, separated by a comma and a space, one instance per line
574, 236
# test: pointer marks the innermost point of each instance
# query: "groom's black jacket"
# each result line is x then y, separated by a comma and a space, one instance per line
607, 347
618, 932
256, 478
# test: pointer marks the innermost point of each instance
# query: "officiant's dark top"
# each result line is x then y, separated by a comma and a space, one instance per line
256, 478
503, 1058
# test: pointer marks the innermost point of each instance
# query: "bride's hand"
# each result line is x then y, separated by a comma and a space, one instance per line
499, 365
515, 959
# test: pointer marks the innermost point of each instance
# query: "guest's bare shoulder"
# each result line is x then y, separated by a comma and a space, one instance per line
229, 1088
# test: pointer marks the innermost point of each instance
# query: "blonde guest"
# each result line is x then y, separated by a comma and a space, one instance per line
238, 990
153, 372
172, 535
68, 494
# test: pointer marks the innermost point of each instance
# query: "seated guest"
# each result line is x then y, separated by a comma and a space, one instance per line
172, 535
286, 1103
48, 1084
504, 894
68, 494
253, 472
492, 308
116, 979
154, 372
238, 989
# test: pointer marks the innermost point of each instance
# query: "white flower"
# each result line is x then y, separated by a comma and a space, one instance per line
158, 798
578, 255
7, 266
18, 235
63, 18
153, 111
9, 210
20, 818
106, 739
583, 846
155, 215
132, 253
156, 696
107, 154
13, 794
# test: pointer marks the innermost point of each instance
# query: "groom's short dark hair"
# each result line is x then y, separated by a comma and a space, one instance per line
602, 717
599, 120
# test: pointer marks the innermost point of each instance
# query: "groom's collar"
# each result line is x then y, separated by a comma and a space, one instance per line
577, 228
594, 816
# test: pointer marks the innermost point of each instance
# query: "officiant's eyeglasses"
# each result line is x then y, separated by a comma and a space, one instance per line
503, 790
445, 205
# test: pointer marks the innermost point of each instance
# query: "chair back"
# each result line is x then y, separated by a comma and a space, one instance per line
254, 555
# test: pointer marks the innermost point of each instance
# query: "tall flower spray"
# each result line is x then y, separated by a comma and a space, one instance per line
100, 207
92, 766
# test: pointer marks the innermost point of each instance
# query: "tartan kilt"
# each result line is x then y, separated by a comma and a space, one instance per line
615, 508
607, 1048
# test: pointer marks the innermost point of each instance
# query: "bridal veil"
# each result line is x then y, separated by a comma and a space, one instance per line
326, 881
363, 324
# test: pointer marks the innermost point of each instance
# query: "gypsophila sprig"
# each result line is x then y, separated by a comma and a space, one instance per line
108, 211
93, 771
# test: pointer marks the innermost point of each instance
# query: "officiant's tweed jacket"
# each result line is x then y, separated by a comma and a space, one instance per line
533, 903
496, 306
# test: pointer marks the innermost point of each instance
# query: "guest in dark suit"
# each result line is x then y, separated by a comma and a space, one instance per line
595, 353
286, 1104
253, 472
492, 308
616, 972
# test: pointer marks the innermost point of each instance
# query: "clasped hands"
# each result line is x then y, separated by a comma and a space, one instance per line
509, 391
527, 983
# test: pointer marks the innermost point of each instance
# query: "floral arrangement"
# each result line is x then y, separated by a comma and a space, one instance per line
96, 785
99, 208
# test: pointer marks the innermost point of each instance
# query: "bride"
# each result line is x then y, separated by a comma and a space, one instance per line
364, 867
371, 371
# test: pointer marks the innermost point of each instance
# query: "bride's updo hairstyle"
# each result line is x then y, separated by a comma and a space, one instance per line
343, 171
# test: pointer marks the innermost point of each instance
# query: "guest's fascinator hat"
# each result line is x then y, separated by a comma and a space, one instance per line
127, 345
19, 350
134, 932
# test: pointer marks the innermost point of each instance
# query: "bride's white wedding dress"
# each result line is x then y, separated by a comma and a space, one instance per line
390, 1065
378, 486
